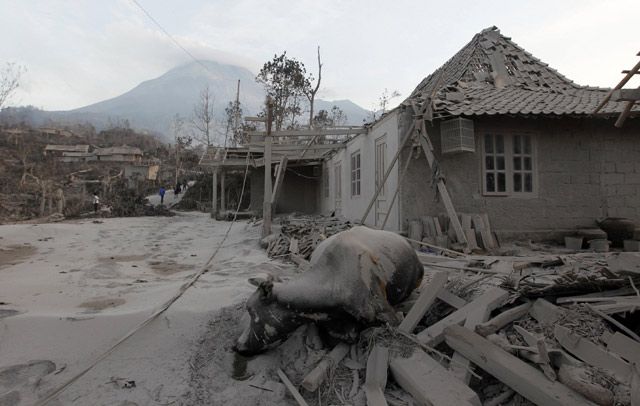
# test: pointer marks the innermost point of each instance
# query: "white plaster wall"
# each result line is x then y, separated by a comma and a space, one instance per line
353, 207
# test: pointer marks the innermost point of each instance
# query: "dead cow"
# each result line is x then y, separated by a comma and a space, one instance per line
355, 278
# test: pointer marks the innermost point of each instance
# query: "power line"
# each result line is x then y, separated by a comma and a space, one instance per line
169, 35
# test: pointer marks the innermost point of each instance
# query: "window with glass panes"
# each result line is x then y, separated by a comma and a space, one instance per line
355, 174
508, 164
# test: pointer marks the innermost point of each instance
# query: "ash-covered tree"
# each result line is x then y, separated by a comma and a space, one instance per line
333, 118
203, 118
182, 141
233, 128
10, 75
285, 81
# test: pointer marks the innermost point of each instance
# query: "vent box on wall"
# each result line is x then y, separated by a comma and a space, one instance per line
457, 136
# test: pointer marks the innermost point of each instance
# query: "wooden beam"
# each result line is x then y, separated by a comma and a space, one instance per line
623, 82
223, 204
442, 189
592, 354
625, 347
451, 299
490, 299
295, 147
545, 312
425, 300
292, 389
503, 319
518, 375
624, 115
266, 209
214, 194
395, 194
313, 380
430, 383
313, 133
282, 168
460, 366
376, 380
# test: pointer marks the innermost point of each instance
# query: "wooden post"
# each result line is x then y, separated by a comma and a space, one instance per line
282, 167
223, 206
214, 194
266, 209
442, 188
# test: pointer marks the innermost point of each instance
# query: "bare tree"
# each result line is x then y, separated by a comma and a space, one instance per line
9, 80
311, 92
182, 141
203, 118
385, 98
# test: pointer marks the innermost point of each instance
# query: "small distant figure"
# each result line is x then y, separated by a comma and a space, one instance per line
96, 203
161, 193
185, 185
177, 191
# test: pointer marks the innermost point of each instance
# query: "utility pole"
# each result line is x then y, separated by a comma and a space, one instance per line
266, 208
236, 122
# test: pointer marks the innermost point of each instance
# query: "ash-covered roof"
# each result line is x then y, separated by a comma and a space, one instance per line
123, 150
493, 75
67, 148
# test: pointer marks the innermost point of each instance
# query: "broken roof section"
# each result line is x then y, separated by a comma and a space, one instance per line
122, 150
493, 75
67, 148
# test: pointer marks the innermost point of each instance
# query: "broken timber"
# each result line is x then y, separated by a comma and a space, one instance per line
490, 299
425, 300
518, 375
430, 383
377, 365
294, 392
282, 167
313, 380
501, 320
592, 354
625, 347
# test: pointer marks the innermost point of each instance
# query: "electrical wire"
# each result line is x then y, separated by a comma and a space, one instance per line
169, 35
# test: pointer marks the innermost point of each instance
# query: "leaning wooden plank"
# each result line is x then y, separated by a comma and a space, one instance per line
294, 392
429, 382
518, 375
313, 380
377, 365
490, 299
615, 322
425, 300
625, 347
485, 235
282, 168
504, 318
592, 354
451, 299
460, 366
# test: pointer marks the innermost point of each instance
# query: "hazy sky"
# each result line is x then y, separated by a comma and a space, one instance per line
79, 52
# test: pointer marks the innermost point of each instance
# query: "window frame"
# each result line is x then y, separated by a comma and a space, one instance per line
356, 173
380, 162
509, 155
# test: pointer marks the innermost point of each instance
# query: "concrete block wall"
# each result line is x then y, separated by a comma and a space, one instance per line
586, 169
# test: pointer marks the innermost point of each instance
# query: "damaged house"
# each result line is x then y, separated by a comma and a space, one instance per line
511, 137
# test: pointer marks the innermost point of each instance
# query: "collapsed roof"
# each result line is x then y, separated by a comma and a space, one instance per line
493, 75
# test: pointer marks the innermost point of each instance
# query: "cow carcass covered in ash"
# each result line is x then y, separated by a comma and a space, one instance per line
355, 279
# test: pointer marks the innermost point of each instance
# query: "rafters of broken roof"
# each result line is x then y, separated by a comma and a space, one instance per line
493, 75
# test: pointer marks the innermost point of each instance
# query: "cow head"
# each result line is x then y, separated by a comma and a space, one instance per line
268, 322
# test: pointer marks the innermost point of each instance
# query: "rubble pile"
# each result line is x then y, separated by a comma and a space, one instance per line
543, 329
299, 235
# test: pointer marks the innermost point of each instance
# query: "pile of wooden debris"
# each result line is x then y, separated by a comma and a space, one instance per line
545, 330
299, 235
